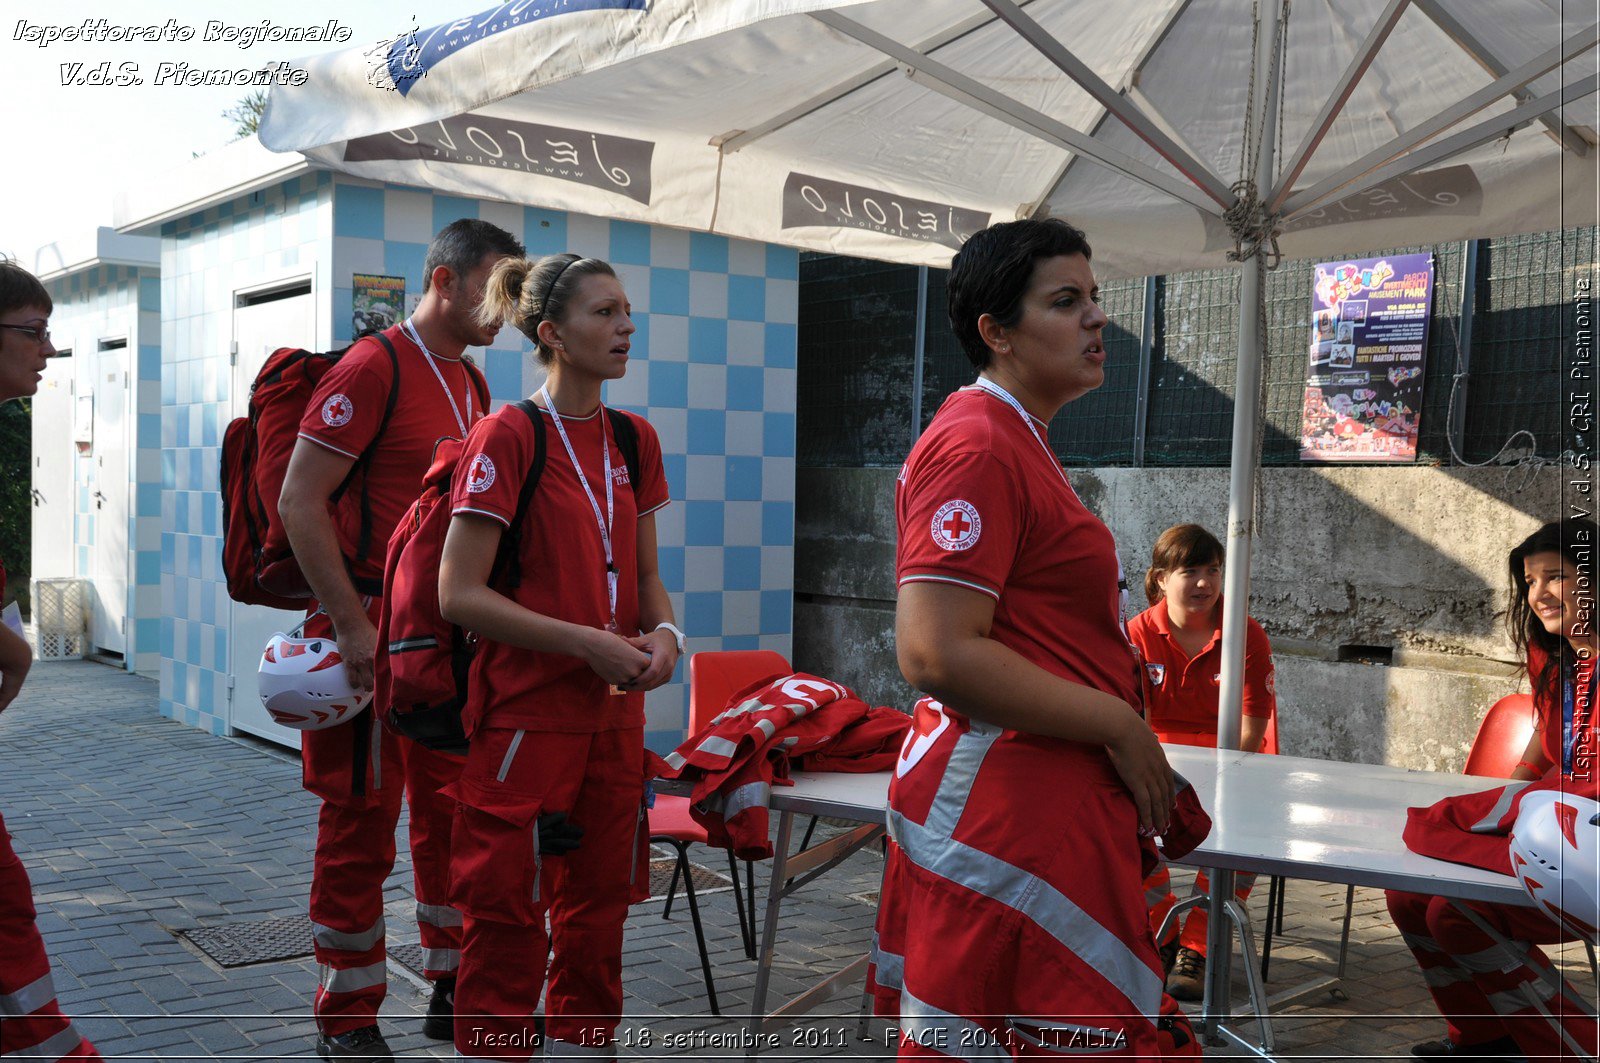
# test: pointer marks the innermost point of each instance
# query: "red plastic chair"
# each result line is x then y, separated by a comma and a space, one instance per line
714, 677
1502, 737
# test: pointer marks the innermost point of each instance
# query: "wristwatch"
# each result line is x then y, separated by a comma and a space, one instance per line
676, 634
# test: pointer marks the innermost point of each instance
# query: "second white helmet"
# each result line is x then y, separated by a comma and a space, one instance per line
1555, 854
304, 685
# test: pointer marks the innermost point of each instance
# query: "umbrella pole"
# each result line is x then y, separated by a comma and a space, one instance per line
1241, 505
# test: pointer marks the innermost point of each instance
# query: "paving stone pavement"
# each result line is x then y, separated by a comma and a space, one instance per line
134, 827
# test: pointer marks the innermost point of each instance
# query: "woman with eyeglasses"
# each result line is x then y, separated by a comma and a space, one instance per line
31, 1023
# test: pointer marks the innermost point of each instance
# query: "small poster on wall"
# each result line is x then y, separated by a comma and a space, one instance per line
1369, 333
378, 303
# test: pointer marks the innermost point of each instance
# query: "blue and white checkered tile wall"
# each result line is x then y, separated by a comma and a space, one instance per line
280, 232
112, 302
713, 370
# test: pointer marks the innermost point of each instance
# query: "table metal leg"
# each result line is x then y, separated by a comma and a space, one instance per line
769, 935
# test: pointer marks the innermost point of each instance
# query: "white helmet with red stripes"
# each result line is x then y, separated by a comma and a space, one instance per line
304, 685
1555, 854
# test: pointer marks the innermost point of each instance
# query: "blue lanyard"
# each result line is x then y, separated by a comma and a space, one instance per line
1569, 734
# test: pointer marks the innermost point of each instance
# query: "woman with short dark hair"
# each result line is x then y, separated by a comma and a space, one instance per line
1011, 913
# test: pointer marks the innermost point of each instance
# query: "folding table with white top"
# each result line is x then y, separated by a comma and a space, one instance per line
1310, 819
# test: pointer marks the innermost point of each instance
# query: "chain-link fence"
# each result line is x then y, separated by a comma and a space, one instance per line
858, 324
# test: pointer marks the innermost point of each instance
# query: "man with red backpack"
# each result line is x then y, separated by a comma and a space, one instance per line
365, 442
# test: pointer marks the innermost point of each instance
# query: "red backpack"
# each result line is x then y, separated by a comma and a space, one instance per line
256, 558
422, 661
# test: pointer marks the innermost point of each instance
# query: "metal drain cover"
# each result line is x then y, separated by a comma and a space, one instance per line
241, 944
409, 956
705, 879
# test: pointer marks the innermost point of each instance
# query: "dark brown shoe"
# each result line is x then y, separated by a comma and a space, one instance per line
1188, 978
1502, 1049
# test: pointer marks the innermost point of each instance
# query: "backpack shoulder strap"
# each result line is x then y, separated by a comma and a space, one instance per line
510, 558
627, 437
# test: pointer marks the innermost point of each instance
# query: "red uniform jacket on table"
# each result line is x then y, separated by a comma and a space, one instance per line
799, 721
987, 915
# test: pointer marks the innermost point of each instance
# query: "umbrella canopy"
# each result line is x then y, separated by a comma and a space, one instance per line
892, 129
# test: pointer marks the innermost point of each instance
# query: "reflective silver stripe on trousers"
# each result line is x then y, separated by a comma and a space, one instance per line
407, 645
360, 941
56, 1046
923, 1024
1492, 959
375, 754
511, 755
750, 795
933, 848
554, 1049
890, 968
1421, 941
1489, 824
1439, 977
1157, 893
441, 959
438, 915
1511, 1001
354, 979
30, 998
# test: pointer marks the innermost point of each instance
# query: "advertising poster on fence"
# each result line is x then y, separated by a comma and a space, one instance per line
1369, 333
377, 302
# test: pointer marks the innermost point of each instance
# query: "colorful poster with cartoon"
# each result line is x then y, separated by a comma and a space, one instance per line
1369, 333
377, 303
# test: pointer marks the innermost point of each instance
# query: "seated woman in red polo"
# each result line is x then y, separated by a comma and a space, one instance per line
1180, 640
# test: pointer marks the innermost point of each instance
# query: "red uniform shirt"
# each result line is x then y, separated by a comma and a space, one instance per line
345, 413
563, 565
981, 504
1550, 713
1182, 693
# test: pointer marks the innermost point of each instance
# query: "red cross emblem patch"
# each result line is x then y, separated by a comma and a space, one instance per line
337, 411
480, 474
956, 525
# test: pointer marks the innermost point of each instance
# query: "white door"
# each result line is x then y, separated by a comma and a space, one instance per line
268, 322
53, 489
110, 496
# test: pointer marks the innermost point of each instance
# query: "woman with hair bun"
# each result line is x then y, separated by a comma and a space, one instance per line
1180, 641
566, 651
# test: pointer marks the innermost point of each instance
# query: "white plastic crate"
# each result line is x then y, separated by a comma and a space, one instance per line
58, 618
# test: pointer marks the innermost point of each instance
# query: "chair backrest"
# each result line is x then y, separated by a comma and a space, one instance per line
1502, 737
716, 675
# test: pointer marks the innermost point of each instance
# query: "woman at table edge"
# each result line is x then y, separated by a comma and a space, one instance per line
1033, 763
1179, 638
1479, 985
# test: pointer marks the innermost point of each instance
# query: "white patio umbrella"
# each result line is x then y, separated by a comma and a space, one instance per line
1178, 134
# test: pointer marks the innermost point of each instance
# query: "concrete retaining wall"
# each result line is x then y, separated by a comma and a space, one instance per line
1352, 566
